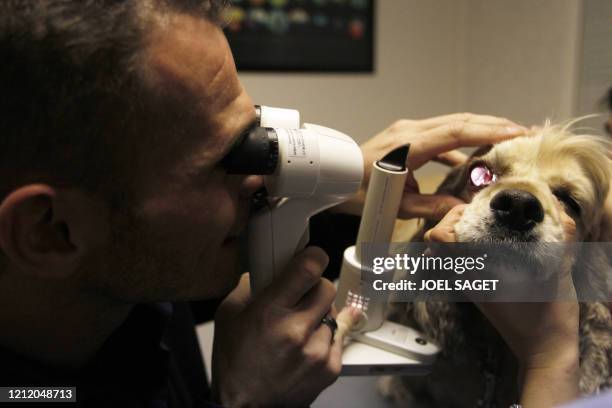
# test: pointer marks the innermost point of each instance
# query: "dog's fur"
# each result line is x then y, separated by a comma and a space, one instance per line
475, 360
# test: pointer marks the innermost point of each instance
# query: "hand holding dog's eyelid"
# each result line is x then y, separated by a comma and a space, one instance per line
452, 158
433, 139
430, 138
451, 136
426, 124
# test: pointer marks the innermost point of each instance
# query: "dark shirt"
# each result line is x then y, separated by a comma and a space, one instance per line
151, 360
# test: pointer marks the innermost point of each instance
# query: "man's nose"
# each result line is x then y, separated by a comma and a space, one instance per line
517, 209
250, 185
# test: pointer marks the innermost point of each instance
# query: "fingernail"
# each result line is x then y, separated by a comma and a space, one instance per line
515, 130
356, 314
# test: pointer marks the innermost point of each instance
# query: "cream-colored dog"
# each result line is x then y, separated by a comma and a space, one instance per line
528, 176
516, 191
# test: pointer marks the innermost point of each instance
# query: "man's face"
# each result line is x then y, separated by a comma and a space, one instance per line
179, 239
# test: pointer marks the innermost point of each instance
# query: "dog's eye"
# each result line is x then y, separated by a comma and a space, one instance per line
565, 197
481, 175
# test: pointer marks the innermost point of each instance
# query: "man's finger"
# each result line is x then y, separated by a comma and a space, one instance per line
444, 231
318, 346
454, 135
429, 206
237, 299
453, 215
316, 304
431, 123
440, 234
452, 158
347, 318
322, 293
302, 274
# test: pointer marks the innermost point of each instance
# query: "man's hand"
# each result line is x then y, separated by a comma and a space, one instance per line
431, 139
543, 336
273, 349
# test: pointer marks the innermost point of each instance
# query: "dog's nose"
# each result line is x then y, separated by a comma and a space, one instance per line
517, 209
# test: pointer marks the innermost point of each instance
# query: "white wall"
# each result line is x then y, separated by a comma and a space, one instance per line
522, 58
415, 76
595, 73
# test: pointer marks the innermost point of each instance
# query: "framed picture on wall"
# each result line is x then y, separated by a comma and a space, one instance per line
301, 35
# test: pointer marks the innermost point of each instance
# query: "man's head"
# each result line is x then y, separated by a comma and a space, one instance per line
115, 116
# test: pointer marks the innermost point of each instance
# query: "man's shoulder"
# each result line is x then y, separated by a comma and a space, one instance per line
155, 352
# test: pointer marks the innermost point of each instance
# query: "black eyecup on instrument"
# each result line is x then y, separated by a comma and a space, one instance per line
255, 152
396, 159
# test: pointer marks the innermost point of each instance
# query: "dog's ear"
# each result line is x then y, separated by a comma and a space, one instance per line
605, 229
601, 225
453, 184
597, 232
604, 226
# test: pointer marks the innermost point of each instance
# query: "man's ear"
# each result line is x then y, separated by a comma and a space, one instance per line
41, 232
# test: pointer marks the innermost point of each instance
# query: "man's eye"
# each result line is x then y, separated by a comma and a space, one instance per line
570, 203
481, 175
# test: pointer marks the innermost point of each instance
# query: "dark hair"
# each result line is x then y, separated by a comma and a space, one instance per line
70, 82
609, 99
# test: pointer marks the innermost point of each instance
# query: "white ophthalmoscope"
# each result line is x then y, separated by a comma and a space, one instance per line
306, 170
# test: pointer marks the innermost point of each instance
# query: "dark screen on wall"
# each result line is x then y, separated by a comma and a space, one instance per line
303, 35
